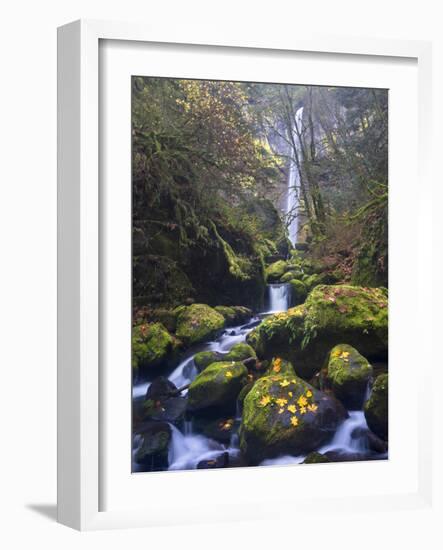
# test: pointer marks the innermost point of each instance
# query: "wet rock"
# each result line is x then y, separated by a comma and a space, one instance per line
152, 346
205, 358
315, 458
153, 450
219, 461
275, 271
198, 323
376, 407
160, 387
286, 415
306, 333
349, 374
217, 386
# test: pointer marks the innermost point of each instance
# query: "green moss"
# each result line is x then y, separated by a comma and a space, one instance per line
151, 345
349, 373
285, 415
298, 291
197, 323
376, 408
275, 271
315, 458
289, 275
228, 313
330, 315
204, 358
217, 386
239, 352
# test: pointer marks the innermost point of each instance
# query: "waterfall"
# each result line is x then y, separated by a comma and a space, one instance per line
294, 182
278, 297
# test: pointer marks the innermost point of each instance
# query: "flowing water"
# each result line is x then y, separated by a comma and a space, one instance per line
293, 194
188, 447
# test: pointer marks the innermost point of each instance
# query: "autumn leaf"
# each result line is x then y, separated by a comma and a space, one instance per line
294, 421
277, 365
302, 401
265, 400
302, 410
312, 407
292, 408
228, 374
281, 411
309, 393
284, 383
282, 401
290, 394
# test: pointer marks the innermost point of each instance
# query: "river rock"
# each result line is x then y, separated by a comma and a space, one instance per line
286, 415
376, 407
315, 458
234, 315
348, 373
198, 323
160, 387
298, 292
153, 450
240, 352
217, 387
204, 358
152, 346
275, 271
219, 461
305, 334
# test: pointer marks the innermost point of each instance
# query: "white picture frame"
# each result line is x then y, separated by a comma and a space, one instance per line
80, 394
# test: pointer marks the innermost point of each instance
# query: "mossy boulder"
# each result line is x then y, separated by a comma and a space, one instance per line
154, 446
316, 458
234, 315
376, 407
152, 345
239, 352
217, 387
298, 292
275, 271
197, 323
279, 366
205, 358
285, 415
330, 315
348, 373
289, 275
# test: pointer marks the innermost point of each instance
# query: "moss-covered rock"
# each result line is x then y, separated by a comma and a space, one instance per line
279, 366
376, 407
152, 345
205, 358
298, 292
217, 387
234, 315
275, 271
349, 373
330, 315
239, 352
285, 415
154, 446
197, 323
316, 458
289, 275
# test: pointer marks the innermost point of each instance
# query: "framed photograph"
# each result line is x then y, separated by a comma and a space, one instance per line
235, 221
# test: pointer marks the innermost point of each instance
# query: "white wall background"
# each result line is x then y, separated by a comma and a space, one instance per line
28, 267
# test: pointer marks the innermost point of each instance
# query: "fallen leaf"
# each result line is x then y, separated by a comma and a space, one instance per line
265, 400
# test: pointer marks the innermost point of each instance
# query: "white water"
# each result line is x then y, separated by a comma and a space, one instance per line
278, 297
293, 197
344, 441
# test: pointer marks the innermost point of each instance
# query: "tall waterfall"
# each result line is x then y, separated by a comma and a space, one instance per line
278, 297
294, 181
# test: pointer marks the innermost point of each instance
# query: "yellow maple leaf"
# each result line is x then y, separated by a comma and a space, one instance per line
284, 383
292, 408
309, 393
277, 365
281, 401
302, 401
290, 394
265, 400
294, 420
345, 354
281, 411
312, 407
302, 410
228, 374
